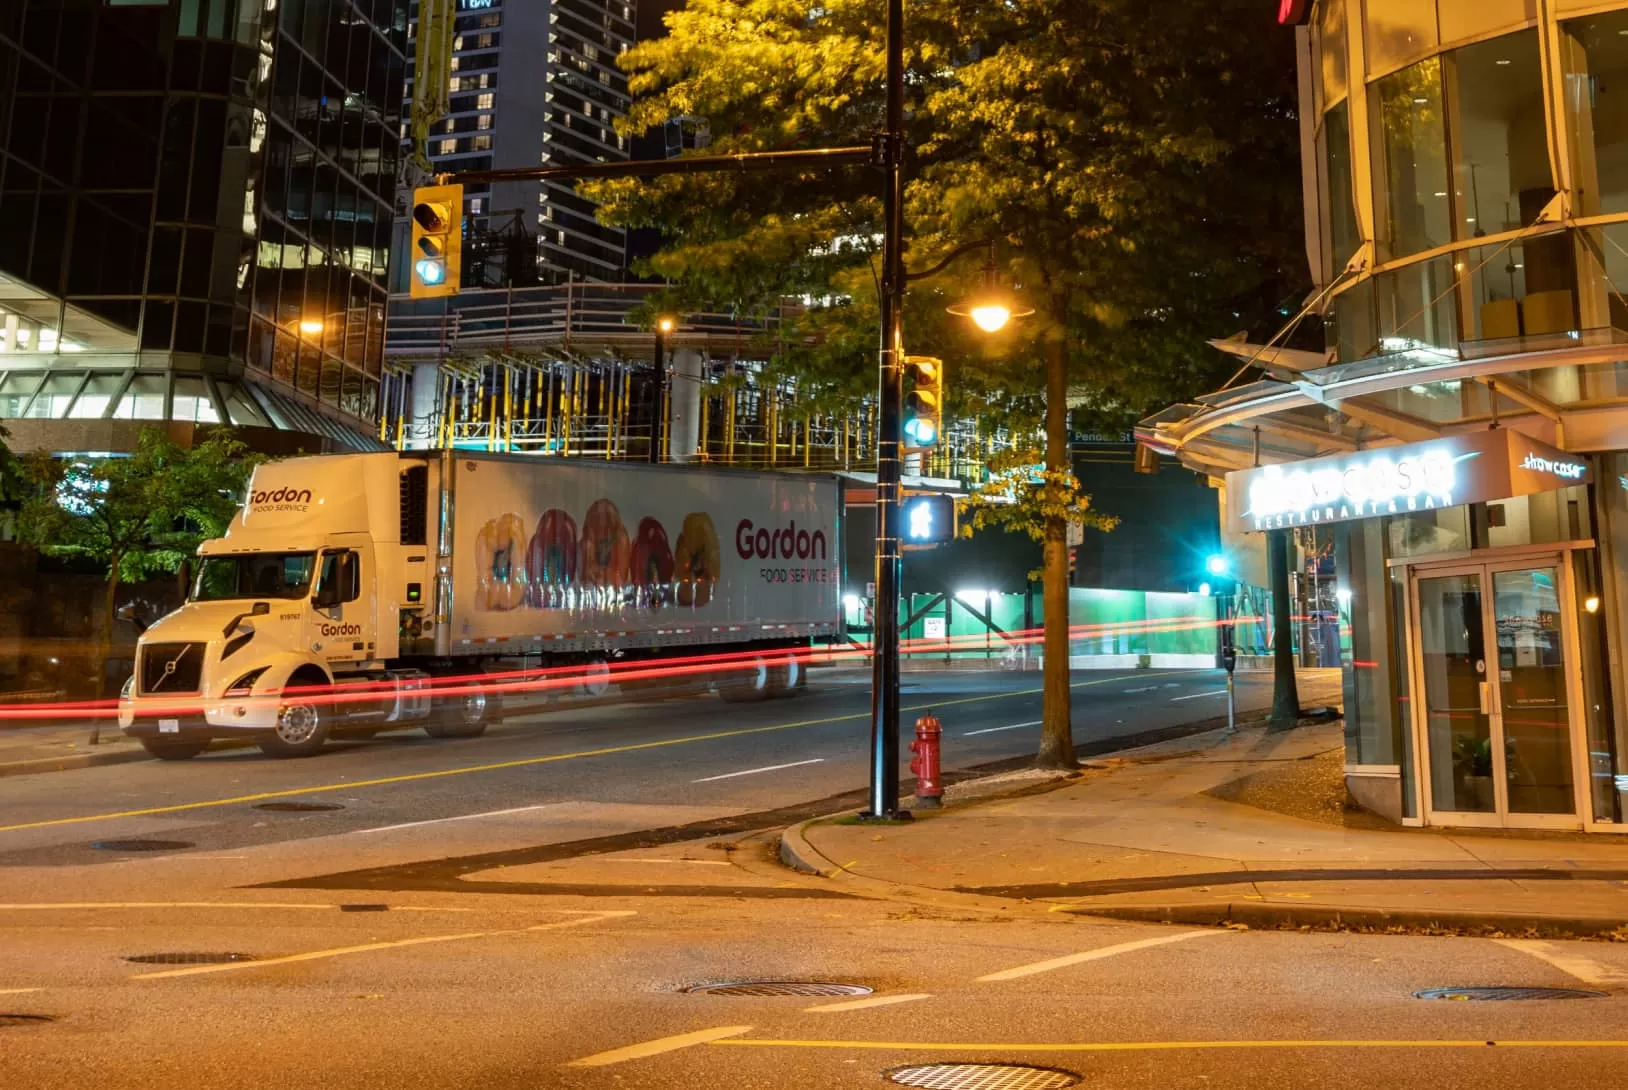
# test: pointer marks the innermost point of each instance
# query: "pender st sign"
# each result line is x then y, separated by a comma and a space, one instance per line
1471, 467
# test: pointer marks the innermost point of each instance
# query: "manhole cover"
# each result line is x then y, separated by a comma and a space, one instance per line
297, 807
142, 845
1507, 993
805, 988
188, 957
24, 1019
982, 1077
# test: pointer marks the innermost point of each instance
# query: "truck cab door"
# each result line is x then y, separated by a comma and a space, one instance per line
341, 626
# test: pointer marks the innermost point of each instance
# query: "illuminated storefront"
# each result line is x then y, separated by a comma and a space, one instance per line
1464, 437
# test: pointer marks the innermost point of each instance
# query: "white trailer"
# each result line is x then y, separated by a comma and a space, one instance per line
348, 583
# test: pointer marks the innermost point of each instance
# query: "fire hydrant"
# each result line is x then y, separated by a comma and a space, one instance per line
925, 764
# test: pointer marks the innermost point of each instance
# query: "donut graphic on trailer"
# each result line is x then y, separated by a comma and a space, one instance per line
500, 564
606, 554
699, 560
652, 566
551, 560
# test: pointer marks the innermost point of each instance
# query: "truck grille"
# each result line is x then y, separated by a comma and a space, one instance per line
169, 668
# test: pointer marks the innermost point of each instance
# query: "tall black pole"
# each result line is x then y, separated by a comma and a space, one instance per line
885, 641
658, 420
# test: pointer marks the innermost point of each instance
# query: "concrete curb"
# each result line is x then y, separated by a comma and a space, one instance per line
1281, 917
72, 761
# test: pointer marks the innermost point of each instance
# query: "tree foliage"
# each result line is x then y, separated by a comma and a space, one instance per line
139, 515
1134, 159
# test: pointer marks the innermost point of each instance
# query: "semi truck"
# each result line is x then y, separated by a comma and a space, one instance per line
359, 593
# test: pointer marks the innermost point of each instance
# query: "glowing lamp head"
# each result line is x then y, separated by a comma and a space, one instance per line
1343, 595
1592, 603
665, 325
310, 327
1216, 564
991, 317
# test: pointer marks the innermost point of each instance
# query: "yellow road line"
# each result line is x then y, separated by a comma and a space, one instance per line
658, 1046
340, 951
18, 991
60, 906
1149, 1046
864, 1004
524, 762
1095, 955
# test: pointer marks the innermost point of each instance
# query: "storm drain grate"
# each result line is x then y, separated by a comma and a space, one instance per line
142, 845
24, 1019
804, 988
297, 807
1490, 994
188, 957
982, 1077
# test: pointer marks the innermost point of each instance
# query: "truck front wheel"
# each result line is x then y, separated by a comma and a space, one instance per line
173, 751
302, 724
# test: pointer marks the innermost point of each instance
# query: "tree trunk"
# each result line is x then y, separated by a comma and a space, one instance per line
1057, 718
104, 643
1285, 697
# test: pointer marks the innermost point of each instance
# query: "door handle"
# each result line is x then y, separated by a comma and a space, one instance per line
1485, 693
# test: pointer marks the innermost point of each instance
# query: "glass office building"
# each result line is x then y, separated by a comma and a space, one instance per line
195, 213
1464, 437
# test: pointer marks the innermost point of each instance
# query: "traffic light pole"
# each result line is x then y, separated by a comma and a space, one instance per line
884, 801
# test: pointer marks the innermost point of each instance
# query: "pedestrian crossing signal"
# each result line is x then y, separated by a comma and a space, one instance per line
928, 520
437, 255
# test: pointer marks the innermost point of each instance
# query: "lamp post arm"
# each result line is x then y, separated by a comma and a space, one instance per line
987, 243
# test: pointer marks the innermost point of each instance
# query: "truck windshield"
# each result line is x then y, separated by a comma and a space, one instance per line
253, 575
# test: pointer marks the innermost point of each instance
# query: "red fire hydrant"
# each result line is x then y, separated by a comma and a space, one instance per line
929, 791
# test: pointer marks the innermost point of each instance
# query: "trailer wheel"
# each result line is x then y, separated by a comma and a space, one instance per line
596, 677
173, 751
461, 714
752, 679
302, 723
786, 678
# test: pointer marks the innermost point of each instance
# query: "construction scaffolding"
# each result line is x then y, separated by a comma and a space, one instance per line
568, 370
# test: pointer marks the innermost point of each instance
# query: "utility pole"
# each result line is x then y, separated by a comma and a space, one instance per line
884, 802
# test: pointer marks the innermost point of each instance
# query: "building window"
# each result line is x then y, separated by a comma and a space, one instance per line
476, 204
483, 102
458, 43
449, 125
1398, 31
1343, 236
1597, 109
485, 41
453, 65
481, 143
1331, 46
1501, 168
484, 121
491, 20
1410, 160
446, 147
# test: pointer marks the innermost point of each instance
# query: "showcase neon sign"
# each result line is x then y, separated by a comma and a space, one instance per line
1366, 485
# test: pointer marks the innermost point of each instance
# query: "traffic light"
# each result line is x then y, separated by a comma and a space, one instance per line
437, 241
928, 520
923, 402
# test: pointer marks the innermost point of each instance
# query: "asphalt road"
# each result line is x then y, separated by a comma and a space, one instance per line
528, 910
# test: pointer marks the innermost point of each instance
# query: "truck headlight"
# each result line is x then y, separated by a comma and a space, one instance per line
242, 685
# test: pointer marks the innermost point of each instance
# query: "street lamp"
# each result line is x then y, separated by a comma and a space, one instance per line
890, 148
993, 306
311, 327
1216, 564
658, 427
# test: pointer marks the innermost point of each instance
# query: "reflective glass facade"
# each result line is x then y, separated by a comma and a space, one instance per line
197, 188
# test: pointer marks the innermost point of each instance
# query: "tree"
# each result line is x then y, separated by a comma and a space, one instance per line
1134, 160
134, 515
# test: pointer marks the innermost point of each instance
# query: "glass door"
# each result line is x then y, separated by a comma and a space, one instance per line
1456, 695
1494, 666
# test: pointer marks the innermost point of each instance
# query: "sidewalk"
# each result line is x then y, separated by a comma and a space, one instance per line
24, 750
1154, 835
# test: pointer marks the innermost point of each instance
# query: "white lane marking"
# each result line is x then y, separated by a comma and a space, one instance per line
658, 1046
315, 955
754, 771
458, 817
59, 906
1195, 696
1172, 685
1094, 955
1585, 969
692, 862
18, 991
1143, 689
992, 730
862, 1004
